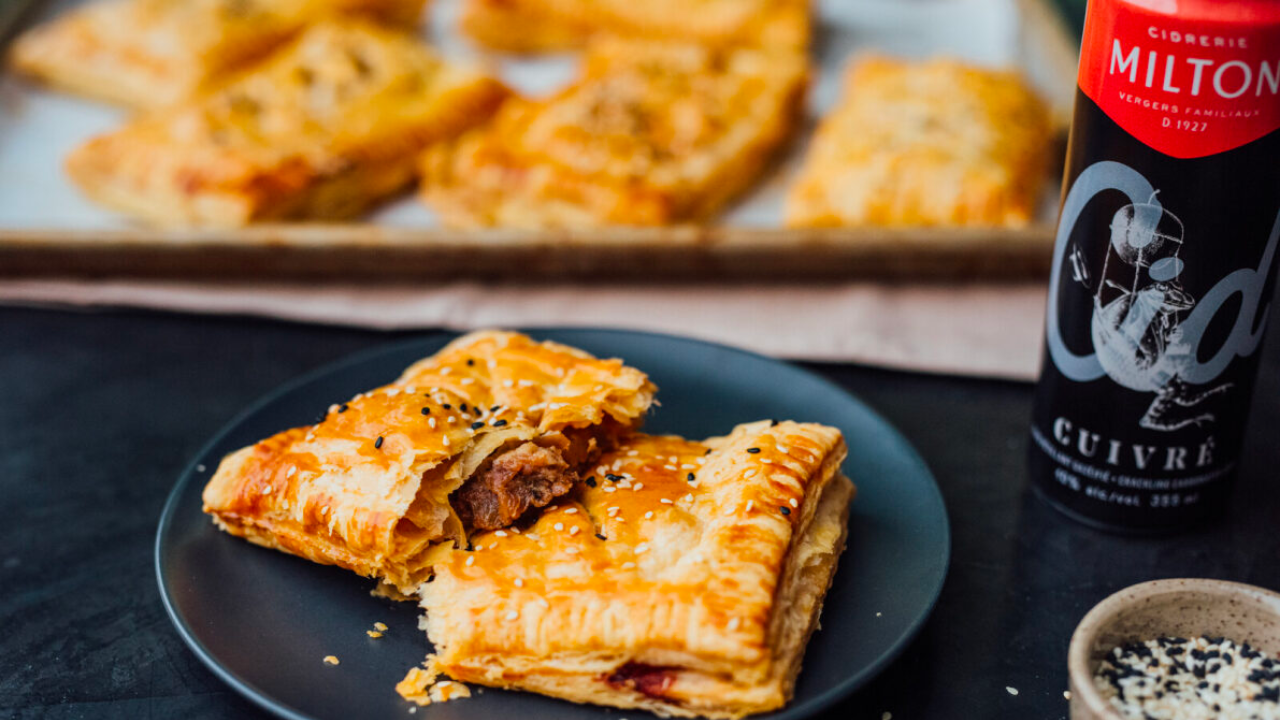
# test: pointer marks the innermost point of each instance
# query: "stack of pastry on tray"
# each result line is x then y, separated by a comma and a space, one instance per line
505, 485
269, 110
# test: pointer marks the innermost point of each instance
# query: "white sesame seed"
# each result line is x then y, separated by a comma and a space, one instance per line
446, 371
266, 489
571, 550
508, 383
445, 440
511, 615
533, 536
200, 467
794, 503
293, 470
452, 419
688, 498
431, 423
665, 501
544, 603
642, 547
558, 526
669, 467
637, 486
750, 474
729, 510
501, 533
468, 381
609, 488
1011, 690
471, 560
1066, 694
392, 392
574, 530
648, 515
613, 510
688, 466
525, 383
750, 504
628, 565
515, 529
734, 624
519, 582
571, 511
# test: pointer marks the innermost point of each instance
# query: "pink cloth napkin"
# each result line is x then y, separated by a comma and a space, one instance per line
977, 330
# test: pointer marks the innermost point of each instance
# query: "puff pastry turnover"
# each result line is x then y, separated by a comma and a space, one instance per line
146, 53
684, 579
467, 439
932, 143
542, 25
652, 134
324, 129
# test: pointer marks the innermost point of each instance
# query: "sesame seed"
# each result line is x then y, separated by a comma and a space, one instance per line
495, 408
468, 381
519, 582
266, 489
688, 498
515, 529
378, 443
558, 527
470, 362
533, 536
642, 547
571, 550
734, 624
638, 486
785, 510
574, 530
571, 511
293, 470
665, 501
431, 423
591, 481
511, 615
1011, 690
447, 406
750, 474
544, 602
1066, 694
628, 565
477, 425
602, 537
648, 515
200, 467
669, 467
445, 440
426, 411
446, 371
794, 503
750, 504
342, 408
753, 451
499, 423
609, 488
501, 533
471, 560
508, 383
612, 478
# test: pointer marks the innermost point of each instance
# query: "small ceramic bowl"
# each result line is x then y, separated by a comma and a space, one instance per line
1184, 608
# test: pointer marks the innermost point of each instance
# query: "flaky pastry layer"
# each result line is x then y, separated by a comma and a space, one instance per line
653, 133
323, 129
684, 578
375, 485
149, 53
935, 143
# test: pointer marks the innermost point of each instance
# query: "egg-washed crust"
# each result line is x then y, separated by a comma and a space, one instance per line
936, 143
548, 25
149, 53
652, 134
653, 591
323, 129
371, 487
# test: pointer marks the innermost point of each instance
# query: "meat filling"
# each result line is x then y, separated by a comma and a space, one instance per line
516, 480
645, 679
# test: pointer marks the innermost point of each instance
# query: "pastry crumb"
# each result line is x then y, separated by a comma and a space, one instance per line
380, 626
331, 659
420, 685
373, 633
1066, 694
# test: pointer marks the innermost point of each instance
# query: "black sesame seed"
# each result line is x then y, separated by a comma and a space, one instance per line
494, 408
601, 536
773, 423
477, 425
708, 452
753, 451
690, 477
447, 406
591, 481
612, 478
499, 423
785, 510
343, 408
378, 443
426, 411
470, 362
463, 407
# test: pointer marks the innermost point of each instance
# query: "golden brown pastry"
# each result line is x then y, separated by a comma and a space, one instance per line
925, 143
684, 578
323, 129
652, 134
147, 53
542, 25
468, 439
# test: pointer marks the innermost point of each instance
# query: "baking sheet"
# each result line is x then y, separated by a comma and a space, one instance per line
46, 226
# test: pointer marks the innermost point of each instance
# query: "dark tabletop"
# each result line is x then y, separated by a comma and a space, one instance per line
100, 412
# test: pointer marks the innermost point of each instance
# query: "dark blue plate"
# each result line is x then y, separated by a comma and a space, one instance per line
263, 620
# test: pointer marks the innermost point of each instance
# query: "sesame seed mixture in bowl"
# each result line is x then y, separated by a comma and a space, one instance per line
1173, 678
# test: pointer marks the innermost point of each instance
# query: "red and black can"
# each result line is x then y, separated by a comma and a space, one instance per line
1164, 261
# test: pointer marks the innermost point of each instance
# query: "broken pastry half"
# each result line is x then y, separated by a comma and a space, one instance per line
933, 143
323, 129
653, 133
148, 53
683, 577
549, 25
467, 440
